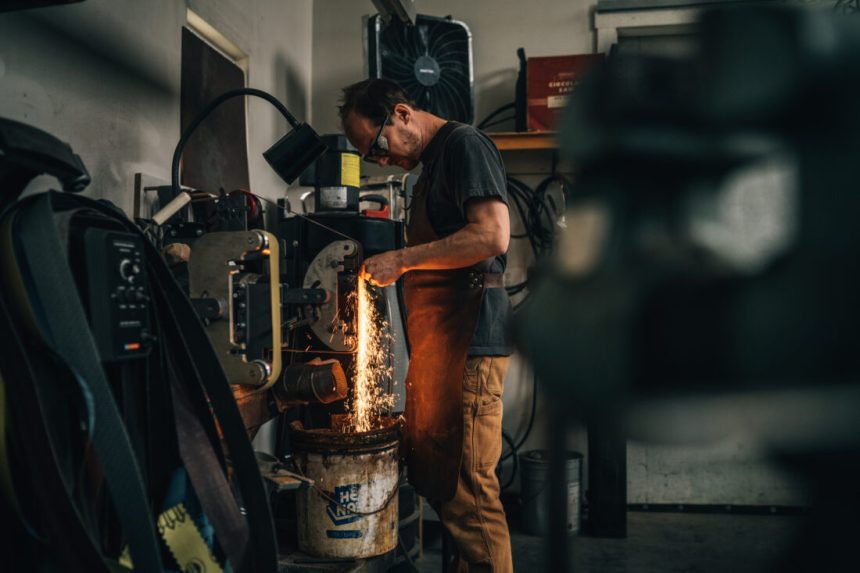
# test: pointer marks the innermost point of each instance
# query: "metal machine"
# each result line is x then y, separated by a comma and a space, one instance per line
279, 308
280, 303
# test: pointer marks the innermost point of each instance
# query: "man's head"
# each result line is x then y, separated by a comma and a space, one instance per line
382, 122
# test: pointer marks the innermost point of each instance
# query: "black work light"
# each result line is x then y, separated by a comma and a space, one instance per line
291, 155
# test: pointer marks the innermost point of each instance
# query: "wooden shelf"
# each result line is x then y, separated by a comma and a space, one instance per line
516, 140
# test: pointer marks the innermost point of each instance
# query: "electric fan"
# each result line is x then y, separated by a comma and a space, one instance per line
431, 61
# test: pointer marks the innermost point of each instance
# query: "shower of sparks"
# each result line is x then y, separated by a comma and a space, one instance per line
372, 367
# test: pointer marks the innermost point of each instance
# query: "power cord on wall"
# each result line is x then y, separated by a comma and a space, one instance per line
539, 213
488, 121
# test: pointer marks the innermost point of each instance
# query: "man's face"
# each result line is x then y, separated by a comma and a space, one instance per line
399, 136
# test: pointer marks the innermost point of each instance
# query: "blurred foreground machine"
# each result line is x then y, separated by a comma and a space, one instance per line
710, 270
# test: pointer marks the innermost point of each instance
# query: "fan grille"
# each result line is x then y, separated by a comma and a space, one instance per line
432, 62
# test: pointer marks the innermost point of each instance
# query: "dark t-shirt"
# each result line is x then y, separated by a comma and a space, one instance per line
468, 166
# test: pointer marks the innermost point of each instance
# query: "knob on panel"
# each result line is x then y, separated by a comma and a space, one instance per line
129, 270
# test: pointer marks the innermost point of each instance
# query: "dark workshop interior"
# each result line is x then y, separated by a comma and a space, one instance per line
366, 286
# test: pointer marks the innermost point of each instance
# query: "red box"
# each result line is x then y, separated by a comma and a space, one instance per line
551, 79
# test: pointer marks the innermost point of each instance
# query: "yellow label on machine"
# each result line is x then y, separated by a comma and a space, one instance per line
350, 171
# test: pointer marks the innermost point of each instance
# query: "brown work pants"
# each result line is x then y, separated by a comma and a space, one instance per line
475, 517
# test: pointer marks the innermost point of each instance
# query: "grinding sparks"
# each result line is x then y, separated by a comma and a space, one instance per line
372, 340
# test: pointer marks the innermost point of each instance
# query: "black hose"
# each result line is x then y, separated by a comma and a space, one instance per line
537, 211
498, 121
503, 108
519, 202
515, 447
516, 467
539, 222
409, 561
517, 288
198, 119
521, 195
543, 206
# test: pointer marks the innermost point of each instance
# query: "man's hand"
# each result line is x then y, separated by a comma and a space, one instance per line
485, 235
383, 269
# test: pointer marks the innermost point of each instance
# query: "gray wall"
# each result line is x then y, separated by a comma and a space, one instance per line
730, 470
103, 76
277, 37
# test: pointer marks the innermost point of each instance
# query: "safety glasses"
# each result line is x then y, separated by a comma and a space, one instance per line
379, 145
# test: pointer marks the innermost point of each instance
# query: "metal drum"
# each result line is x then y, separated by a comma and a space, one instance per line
535, 495
351, 510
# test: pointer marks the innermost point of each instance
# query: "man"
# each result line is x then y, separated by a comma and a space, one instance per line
457, 236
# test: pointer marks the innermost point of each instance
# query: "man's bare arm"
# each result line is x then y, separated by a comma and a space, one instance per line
486, 235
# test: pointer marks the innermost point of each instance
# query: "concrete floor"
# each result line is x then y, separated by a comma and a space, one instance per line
661, 543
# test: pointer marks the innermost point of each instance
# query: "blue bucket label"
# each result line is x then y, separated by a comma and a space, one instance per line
347, 534
341, 513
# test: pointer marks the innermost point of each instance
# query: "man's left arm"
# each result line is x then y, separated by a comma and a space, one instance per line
485, 235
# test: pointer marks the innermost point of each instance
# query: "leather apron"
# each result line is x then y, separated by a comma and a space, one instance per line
442, 307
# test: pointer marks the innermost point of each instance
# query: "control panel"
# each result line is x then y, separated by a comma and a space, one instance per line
118, 296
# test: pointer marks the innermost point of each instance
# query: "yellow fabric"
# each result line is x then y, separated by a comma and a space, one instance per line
184, 541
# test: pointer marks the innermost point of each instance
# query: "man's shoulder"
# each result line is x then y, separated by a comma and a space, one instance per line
464, 131
464, 136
